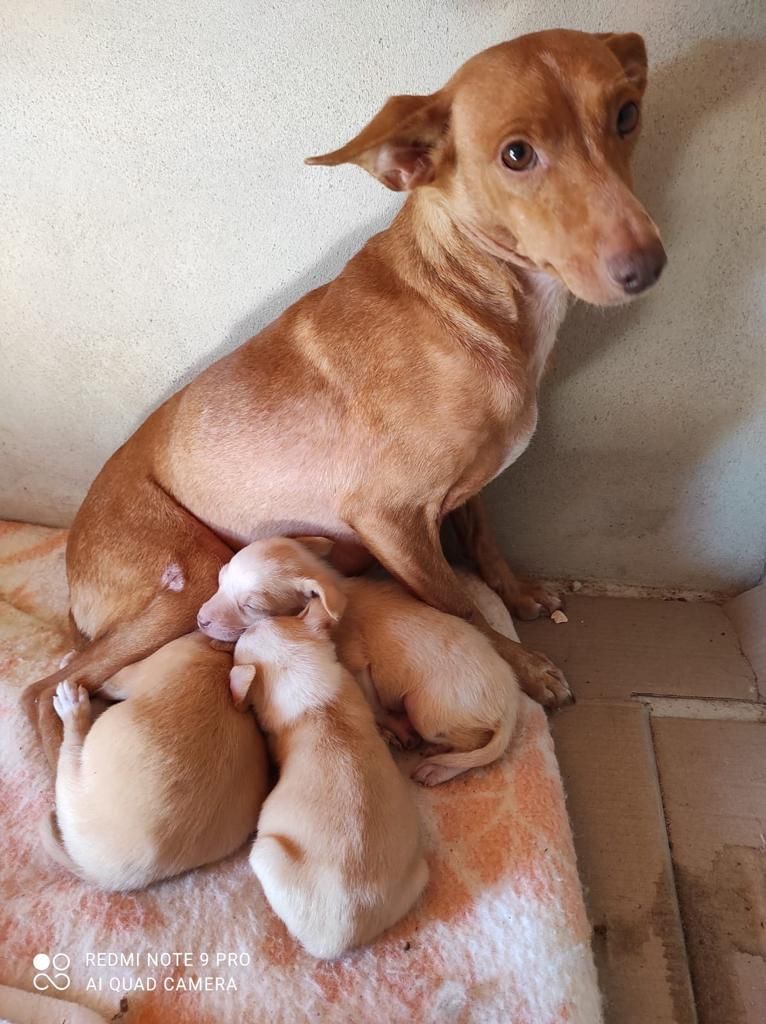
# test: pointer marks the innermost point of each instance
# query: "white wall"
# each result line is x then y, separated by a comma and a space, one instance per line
155, 212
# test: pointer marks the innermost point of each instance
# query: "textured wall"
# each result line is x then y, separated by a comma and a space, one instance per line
155, 212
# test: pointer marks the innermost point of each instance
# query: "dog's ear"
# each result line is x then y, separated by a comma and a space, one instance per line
316, 616
326, 605
241, 679
402, 145
630, 50
319, 546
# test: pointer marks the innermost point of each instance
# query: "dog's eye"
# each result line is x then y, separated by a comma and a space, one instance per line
627, 119
518, 155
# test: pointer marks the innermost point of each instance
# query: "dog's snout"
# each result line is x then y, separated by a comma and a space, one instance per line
203, 622
635, 270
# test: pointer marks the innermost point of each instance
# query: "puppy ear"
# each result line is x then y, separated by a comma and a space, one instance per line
319, 546
402, 145
316, 617
630, 50
241, 679
327, 602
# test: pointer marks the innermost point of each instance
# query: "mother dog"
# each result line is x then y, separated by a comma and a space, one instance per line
385, 400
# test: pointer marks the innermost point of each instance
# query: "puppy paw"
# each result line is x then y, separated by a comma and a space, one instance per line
390, 737
399, 732
72, 704
428, 773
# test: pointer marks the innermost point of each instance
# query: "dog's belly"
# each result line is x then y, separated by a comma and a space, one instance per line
301, 468
273, 504
254, 485
301, 526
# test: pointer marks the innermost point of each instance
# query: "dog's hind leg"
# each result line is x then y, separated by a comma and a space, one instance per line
133, 587
523, 598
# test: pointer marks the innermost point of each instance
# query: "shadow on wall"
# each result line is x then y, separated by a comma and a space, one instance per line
714, 78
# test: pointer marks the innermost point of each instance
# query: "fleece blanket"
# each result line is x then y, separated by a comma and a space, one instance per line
500, 936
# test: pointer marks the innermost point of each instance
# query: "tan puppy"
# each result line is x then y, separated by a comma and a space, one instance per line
451, 684
338, 851
415, 664
170, 779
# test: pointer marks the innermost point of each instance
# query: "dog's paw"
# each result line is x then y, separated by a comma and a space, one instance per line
538, 677
542, 681
72, 704
531, 600
428, 773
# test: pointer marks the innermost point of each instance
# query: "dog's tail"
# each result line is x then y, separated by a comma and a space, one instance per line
441, 767
50, 837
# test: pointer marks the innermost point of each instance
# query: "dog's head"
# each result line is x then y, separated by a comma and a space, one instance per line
529, 145
278, 576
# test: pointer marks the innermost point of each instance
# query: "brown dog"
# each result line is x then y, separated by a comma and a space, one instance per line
385, 400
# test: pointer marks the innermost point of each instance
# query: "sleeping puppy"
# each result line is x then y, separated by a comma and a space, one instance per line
171, 778
338, 851
418, 667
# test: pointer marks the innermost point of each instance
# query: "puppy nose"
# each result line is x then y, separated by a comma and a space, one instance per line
635, 270
202, 622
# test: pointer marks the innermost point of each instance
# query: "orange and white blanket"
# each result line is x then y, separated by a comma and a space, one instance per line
501, 936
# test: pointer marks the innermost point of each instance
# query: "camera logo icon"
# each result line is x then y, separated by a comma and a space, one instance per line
57, 965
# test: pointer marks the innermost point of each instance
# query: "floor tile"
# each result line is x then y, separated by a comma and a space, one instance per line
607, 764
713, 782
614, 647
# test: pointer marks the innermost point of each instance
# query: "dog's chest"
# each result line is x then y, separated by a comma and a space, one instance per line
545, 308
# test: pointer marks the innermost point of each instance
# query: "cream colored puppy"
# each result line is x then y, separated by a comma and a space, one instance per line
171, 778
415, 664
338, 851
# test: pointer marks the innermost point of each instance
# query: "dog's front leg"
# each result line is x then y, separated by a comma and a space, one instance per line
522, 598
409, 547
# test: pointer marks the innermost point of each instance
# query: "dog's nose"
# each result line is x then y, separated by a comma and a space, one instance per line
637, 269
202, 622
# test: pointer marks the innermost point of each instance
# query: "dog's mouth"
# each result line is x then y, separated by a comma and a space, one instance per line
616, 278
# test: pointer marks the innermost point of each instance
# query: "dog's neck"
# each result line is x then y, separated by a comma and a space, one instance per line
488, 303
546, 301
305, 680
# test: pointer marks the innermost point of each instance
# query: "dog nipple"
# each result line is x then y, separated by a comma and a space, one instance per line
173, 577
